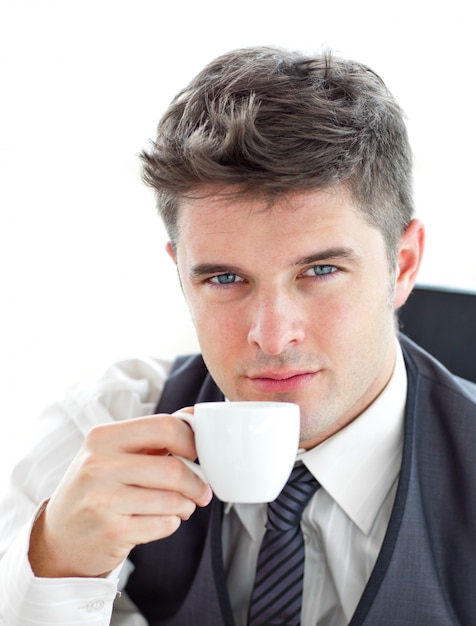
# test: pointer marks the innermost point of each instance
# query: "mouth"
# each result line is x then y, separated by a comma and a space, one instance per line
281, 382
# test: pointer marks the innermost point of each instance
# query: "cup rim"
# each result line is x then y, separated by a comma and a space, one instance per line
249, 404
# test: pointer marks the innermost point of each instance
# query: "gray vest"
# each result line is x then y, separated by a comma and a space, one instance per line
425, 574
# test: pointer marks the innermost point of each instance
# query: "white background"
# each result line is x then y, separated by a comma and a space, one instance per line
84, 278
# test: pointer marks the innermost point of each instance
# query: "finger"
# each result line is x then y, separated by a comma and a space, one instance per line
187, 409
159, 473
136, 501
145, 529
153, 432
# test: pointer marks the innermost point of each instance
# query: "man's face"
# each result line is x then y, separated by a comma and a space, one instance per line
290, 303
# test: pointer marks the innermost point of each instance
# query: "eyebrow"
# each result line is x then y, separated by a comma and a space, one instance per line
328, 254
205, 269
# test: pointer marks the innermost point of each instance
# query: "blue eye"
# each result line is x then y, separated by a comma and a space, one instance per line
320, 270
225, 279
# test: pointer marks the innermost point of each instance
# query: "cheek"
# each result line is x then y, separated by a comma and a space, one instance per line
336, 318
218, 330
353, 319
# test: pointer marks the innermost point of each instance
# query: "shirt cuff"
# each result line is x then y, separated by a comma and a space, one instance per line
26, 600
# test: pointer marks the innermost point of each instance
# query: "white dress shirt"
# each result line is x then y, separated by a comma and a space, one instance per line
344, 523
346, 520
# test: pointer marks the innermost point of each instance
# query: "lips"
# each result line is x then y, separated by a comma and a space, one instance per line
281, 382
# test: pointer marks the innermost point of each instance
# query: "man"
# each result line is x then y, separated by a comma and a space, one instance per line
285, 184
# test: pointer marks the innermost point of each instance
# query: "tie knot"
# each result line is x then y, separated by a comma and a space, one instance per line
286, 511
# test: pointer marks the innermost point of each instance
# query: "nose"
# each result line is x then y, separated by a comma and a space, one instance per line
276, 322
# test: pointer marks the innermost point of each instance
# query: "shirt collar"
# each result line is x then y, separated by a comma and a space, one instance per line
358, 465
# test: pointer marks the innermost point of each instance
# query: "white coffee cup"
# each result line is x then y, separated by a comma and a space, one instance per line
246, 450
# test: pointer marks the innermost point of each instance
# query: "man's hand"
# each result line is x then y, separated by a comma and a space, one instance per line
122, 489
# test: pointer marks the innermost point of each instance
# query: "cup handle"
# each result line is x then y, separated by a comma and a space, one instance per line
196, 469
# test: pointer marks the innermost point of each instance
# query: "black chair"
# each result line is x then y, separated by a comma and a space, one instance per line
443, 322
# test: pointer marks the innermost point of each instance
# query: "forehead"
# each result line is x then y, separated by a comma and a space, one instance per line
246, 234
220, 213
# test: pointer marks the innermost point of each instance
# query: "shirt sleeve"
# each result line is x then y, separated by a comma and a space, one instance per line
126, 390
27, 600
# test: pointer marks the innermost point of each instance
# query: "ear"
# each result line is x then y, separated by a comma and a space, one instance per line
171, 252
410, 253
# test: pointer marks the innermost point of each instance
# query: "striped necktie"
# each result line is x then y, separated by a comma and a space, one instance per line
277, 592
